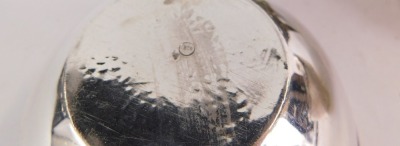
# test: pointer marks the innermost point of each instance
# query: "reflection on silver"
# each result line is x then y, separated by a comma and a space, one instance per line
177, 72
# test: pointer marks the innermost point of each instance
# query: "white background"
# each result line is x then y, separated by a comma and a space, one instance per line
361, 39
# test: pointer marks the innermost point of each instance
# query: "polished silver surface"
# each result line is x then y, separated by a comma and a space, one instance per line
180, 72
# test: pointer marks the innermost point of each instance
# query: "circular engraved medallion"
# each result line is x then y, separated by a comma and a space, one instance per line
186, 48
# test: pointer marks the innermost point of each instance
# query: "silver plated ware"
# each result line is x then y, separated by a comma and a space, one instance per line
191, 72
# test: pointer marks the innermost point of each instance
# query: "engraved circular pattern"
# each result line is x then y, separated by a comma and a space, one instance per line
187, 48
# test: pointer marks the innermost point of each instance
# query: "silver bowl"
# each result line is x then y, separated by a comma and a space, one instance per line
199, 72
